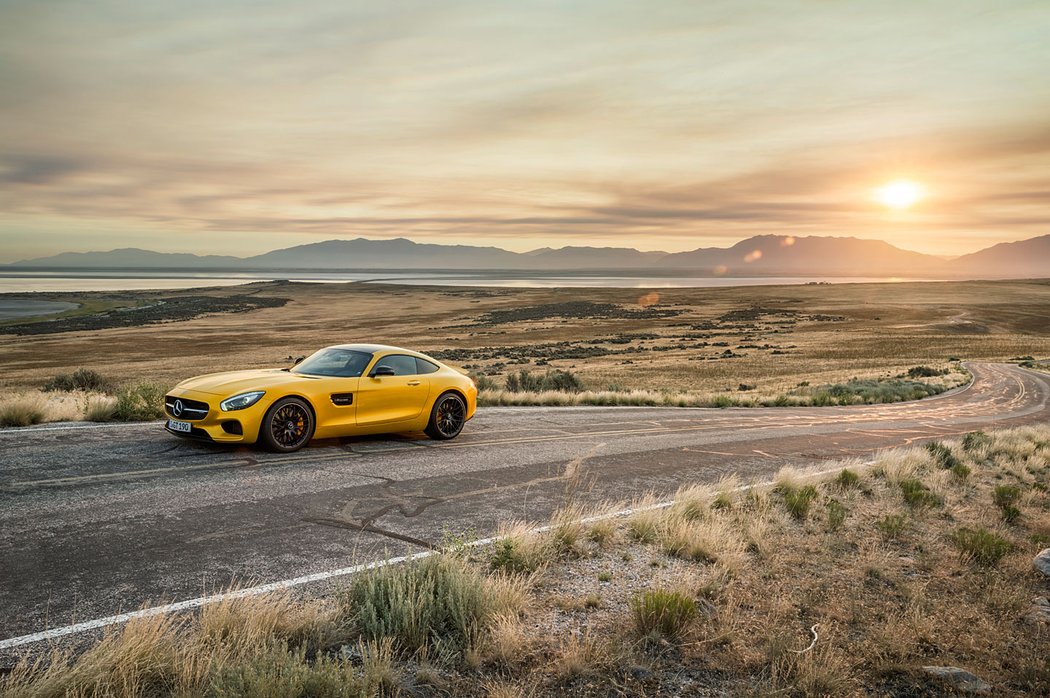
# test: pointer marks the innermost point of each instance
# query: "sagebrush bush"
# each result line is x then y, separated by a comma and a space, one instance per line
662, 613
84, 379
140, 402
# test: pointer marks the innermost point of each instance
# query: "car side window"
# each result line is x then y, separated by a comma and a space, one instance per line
424, 367
402, 365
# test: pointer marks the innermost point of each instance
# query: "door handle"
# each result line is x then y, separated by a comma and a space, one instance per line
413, 383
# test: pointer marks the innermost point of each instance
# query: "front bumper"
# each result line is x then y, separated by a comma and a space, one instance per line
236, 427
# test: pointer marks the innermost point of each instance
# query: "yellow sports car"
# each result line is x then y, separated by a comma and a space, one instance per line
345, 390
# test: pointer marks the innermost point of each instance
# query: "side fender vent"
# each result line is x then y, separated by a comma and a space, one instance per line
342, 399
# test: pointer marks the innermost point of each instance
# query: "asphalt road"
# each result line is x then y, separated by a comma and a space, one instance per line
100, 519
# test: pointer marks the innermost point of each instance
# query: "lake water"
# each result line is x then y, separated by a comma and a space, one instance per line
12, 308
39, 281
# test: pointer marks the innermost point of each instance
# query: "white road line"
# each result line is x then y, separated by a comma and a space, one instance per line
190, 604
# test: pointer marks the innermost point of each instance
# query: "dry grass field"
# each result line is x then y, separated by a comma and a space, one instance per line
768, 339
853, 580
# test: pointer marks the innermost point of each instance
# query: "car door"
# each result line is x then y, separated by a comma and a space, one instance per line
399, 397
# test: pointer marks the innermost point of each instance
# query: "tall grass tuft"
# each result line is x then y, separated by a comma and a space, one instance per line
23, 411
438, 602
662, 613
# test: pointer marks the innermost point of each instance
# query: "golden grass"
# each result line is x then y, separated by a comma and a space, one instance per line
887, 328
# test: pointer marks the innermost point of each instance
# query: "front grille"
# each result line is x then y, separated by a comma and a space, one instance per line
191, 409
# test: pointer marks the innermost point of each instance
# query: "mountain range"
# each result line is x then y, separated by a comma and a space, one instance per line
763, 255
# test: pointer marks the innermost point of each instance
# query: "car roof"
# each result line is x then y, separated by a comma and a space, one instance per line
379, 349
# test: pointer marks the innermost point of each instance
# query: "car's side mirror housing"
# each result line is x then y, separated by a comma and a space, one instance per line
298, 360
381, 371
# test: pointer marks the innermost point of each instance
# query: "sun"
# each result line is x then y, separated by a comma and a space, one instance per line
899, 194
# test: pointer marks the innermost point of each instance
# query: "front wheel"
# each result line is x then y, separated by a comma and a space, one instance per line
447, 417
287, 426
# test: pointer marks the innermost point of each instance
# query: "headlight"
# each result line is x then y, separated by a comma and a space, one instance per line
239, 402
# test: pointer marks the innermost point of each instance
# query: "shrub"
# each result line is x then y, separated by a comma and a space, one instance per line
483, 382
518, 550
981, 546
847, 479
140, 402
721, 401
81, 379
438, 602
662, 613
946, 460
23, 411
836, 514
892, 525
975, 440
525, 382
798, 499
917, 495
925, 372
1005, 497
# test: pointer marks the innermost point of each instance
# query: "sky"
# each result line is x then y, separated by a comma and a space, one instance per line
238, 127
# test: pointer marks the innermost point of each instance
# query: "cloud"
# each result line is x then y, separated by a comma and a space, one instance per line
557, 123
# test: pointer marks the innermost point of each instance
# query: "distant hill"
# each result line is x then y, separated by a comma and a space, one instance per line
785, 255
1022, 259
131, 258
762, 255
399, 253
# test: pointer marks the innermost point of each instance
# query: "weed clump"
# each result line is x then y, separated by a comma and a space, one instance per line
975, 440
1005, 498
947, 460
847, 479
438, 602
836, 514
797, 500
981, 546
660, 613
140, 402
892, 526
917, 495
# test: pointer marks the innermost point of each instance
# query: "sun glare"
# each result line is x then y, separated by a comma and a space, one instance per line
899, 194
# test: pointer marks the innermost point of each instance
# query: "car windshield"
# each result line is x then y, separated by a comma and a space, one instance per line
342, 363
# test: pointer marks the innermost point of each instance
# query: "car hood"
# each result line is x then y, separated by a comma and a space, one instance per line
231, 383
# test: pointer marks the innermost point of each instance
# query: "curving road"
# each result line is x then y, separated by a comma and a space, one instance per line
99, 519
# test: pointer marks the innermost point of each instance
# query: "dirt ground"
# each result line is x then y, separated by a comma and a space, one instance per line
680, 339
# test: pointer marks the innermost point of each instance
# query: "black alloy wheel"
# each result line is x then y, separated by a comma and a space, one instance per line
447, 417
288, 425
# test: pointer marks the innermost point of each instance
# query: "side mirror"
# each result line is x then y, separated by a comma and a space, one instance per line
381, 371
298, 360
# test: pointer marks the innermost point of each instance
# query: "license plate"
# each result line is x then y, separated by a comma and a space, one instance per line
176, 425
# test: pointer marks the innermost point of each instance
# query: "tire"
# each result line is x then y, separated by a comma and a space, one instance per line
287, 426
447, 417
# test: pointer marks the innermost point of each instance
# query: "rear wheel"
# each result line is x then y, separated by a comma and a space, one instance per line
287, 426
447, 417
